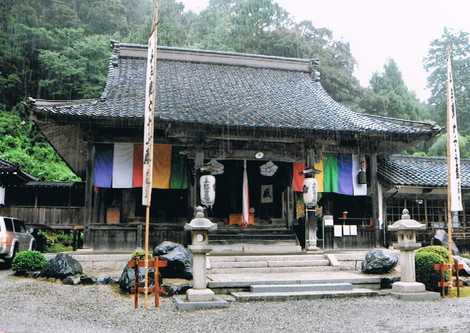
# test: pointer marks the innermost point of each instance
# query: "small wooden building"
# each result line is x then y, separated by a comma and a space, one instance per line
420, 185
58, 205
220, 108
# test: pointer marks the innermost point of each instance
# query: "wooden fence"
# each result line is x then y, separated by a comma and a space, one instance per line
56, 217
131, 236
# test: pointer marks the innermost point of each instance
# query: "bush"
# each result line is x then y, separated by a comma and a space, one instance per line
437, 249
424, 268
58, 241
59, 248
27, 261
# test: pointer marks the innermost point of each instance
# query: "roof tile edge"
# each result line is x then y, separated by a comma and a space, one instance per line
219, 57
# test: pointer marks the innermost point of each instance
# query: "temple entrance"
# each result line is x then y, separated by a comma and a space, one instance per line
265, 192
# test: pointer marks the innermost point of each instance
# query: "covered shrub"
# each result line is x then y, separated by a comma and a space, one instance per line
424, 268
27, 261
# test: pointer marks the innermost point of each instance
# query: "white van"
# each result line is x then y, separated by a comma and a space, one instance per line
13, 238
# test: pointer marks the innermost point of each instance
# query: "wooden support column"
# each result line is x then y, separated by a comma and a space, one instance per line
374, 194
97, 195
126, 203
198, 163
89, 196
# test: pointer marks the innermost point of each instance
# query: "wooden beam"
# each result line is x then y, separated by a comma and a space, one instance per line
89, 194
374, 194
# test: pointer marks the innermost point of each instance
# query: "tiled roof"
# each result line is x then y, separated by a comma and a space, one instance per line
419, 171
8, 167
11, 174
220, 89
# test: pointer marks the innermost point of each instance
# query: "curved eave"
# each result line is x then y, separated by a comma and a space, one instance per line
255, 131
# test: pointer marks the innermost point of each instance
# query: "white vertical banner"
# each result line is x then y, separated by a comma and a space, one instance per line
245, 198
123, 158
149, 118
453, 150
2, 195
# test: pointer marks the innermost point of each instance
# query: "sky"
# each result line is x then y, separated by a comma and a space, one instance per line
378, 30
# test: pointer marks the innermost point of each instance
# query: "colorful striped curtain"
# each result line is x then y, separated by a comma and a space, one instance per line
330, 173
119, 165
179, 170
345, 185
298, 177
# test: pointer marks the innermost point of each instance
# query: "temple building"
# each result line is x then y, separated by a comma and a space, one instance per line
266, 117
419, 184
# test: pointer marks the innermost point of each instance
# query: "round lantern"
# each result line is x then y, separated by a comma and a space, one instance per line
207, 188
310, 192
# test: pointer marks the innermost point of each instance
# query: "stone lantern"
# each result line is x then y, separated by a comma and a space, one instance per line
406, 231
199, 227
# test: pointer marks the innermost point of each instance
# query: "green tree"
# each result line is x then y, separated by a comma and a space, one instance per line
389, 96
435, 64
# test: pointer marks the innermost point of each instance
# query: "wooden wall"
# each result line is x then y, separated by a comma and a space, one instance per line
52, 216
131, 236
68, 141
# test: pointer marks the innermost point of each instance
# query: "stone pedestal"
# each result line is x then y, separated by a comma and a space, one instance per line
311, 231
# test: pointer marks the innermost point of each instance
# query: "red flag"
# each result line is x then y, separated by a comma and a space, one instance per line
246, 198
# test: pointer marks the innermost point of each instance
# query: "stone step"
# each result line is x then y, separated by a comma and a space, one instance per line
252, 230
299, 295
272, 270
255, 242
273, 247
294, 257
257, 237
268, 263
298, 263
266, 288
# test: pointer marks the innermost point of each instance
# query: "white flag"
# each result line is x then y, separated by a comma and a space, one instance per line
150, 106
453, 150
245, 198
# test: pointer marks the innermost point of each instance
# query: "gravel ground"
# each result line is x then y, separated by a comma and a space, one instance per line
38, 306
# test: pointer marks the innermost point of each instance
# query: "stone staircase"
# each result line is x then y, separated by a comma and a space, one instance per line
283, 292
254, 239
274, 263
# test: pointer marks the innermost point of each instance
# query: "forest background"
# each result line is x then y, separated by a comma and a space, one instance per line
60, 49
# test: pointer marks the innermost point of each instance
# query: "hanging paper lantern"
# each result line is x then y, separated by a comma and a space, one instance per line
310, 192
207, 188
268, 169
215, 167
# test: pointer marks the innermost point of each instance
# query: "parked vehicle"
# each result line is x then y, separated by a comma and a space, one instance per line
13, 238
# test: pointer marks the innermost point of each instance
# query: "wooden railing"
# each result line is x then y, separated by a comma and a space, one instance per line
51, 216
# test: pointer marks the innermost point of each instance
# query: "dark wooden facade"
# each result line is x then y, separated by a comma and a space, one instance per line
217, 106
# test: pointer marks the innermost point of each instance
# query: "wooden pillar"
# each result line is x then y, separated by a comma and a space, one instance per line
198, 163
126, 203
374, 194
89, 195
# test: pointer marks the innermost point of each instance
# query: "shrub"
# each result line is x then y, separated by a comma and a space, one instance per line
27, 261
424, 268
139, 253
58, 248
437, 249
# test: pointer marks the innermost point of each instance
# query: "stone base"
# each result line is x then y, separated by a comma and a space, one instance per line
199, 295
417, 297
183, 304
408, 287
313, 249
413, 291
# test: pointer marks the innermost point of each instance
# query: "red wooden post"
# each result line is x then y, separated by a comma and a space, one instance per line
156, 264
136, 283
